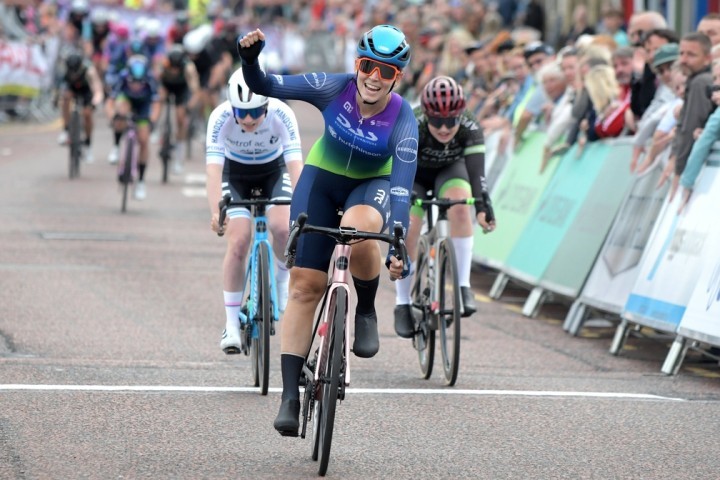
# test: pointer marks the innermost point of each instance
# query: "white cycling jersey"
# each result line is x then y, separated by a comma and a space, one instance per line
277, 135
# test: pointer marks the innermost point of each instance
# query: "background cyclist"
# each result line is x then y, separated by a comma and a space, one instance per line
253, 142
179, 78
451, 163
364, 163
82, 83
211, 64
136, 94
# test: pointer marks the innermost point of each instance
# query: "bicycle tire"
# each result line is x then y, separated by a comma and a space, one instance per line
165, 155
166, 147
421, 294
449, 317
331, 383
127, 172
261, 342
75, 146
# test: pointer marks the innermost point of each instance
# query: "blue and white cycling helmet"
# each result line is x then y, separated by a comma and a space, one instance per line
137, 67
385, 43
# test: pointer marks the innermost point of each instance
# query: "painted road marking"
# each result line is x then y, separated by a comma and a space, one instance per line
367, 391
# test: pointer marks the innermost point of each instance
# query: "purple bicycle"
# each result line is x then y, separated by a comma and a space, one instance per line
128, 164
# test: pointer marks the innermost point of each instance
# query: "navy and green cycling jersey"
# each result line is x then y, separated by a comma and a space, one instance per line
141, 95
381, 146
468, 146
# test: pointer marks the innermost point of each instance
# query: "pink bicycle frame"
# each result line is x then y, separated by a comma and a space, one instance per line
338, 279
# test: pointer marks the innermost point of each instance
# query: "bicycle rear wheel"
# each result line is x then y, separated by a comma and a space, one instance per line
331, 370
424, 340
75, 144
126, 171
449, 316
263, 318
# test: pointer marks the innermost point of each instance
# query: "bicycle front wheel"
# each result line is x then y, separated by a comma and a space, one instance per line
424, 340
75, 145
330, 377
126, 171
261, 342
449, 315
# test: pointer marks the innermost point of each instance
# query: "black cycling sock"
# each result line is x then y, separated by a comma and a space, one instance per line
141, 171
366, 291
117, 138
291, 367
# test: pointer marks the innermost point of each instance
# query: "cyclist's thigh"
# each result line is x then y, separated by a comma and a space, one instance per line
279, 186
85, 98
453, 178
375, 193
424, 183
122, 106
240, 179
319, 194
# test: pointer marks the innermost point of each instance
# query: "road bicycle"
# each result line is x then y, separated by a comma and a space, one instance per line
326, 373
166, 144
128, 165
260, 311
75, 137
436, 298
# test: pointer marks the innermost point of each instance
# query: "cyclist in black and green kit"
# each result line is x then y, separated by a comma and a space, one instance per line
451, 163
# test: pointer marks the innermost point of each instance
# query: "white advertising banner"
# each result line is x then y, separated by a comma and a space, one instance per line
618, 264
23, 68
702, 316
675, 257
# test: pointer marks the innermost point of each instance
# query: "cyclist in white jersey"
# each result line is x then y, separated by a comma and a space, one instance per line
253, 142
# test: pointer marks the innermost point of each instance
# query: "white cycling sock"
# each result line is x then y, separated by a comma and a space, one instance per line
402, 290
180, 151
282, 272
233, 302
463, 254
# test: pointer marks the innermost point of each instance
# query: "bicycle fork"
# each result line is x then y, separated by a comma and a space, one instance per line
441, 234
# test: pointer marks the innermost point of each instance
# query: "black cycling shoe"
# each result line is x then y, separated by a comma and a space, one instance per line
366, 342
468, 300
287, 421
404, 323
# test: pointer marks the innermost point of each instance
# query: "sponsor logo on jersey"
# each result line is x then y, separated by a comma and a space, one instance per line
358, 132
288, 123
315, 80
348, 107
399, 191
406, 150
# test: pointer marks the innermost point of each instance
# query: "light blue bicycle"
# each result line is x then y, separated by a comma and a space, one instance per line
260, 310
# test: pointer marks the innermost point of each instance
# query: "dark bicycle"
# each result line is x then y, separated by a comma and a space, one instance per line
326, 373
166, 144
436, 298
75, 137
260, 309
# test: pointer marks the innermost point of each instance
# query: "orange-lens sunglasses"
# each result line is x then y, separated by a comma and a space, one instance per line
385, 70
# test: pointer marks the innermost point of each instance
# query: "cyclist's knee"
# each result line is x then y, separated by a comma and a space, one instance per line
363, 217
306, 285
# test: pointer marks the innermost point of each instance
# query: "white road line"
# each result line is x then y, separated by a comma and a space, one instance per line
350, 391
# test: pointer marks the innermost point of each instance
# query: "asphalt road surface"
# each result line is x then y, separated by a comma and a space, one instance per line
110, 365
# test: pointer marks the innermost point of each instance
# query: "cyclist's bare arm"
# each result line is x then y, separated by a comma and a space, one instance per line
294, 169
95, 85
214, 192
193, 80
